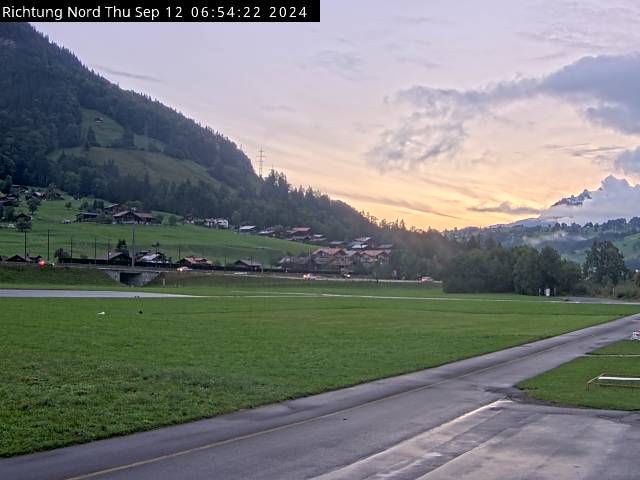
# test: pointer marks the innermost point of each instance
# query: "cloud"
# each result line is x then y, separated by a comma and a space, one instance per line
121, 73
615, 198
605, 89
628, 162
344, 64
279, 108
506, 208
416, 206
420, 62
418, 20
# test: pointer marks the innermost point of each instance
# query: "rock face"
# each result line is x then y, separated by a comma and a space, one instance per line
615, 198
574, 200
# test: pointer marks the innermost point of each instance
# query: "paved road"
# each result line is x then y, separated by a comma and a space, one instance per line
17, 293
454, 421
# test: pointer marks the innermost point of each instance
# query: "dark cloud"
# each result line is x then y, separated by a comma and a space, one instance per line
121, 73
505, 207
628, 162
605, 89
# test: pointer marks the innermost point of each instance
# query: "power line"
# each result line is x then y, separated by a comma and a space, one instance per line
261, 158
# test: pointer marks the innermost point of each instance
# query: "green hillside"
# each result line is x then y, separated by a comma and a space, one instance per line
62, 124
177, 241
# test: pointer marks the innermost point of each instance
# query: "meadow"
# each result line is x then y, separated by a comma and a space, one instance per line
567, 384
175, 241
71, 374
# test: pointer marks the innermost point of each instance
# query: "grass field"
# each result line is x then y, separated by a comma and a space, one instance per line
71, 375
31, 276
176, 242
566, 384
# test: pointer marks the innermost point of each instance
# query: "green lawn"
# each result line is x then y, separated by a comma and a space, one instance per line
71, 375
178, 241
566, 384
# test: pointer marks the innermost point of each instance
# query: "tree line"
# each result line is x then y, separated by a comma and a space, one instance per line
525, 270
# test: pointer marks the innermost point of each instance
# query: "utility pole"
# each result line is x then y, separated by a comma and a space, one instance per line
48, 250
25, 245
71, 259
95, 250
261, 157
133, 245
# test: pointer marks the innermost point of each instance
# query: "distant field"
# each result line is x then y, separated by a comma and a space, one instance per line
71, 375
567, 384
178, 241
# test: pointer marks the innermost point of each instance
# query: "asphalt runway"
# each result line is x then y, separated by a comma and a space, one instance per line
454, 421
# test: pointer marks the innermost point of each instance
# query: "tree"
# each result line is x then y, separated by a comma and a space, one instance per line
527, 272
91, 138
9, 214
122, 246
33, 203
604, 263
6, 184
550, 267
570, 276
172, 220
23, 225
60, 254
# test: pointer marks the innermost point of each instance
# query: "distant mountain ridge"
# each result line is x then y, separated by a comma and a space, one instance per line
574, 200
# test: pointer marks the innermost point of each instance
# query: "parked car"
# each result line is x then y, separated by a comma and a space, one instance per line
183, 269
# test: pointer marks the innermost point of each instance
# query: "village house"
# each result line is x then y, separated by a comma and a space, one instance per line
302, 263
114, 258
195, 262
216, 223
87, 217
374, 256
323, 256
133, 217
114, 208
299, 234
22, 216
21, 259
247, 265
153, 258
8, 200
247, 230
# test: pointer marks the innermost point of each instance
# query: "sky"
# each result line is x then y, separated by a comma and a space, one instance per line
445, 114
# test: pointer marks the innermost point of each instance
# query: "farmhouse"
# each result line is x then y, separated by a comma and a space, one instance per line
248, 265
216, 223
115, 258
156, 258
374, 256
133, 217
87, 217
194, 262
247, 230
23, 216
